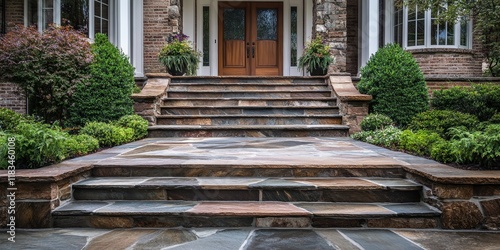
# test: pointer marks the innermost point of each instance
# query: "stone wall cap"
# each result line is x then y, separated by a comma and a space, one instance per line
155, 87
50, 173
449, 175
345, 90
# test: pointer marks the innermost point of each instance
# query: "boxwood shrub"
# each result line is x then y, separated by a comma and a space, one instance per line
135, 122
419, 142
440, 121
374, 122
107, 134
393, 78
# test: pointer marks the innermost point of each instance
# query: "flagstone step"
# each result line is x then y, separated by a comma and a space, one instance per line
249, 93
248, 119
249, 80
259, 102
246, 86
248, 131
125, 214
249, 110
248, 189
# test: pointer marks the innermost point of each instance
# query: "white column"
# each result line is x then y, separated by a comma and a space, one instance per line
138, 37
124, 22
369, 29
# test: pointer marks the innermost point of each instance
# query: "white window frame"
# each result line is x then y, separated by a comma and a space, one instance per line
57, 17
389, 25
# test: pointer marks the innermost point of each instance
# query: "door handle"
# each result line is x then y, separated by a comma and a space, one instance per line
248, 50
253, 50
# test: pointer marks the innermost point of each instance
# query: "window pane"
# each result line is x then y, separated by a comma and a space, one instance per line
267, 24
97, 9
2, 16
105, 11
76, 14
293, 41
434, 34
32, 13
48, 18
206, 36
411, 33
442, 35
398, 27
97, 25
450, 34
420, 32
234, 24
464, 33
105, 27
48, 4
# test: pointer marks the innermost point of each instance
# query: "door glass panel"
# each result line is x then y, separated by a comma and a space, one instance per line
267, 24
206, 36
293, 41
234, 24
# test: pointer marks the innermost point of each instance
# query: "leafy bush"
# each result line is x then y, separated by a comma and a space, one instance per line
393, 78
108, 134
9, 119
420, 142
440, 121
81, 144
481, 100
374, 122
441, 151
37, 145
388, 137
106, 97
47, 66
135, 122
495, 119
477, 147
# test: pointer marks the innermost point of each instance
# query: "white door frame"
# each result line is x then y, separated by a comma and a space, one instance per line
193, 10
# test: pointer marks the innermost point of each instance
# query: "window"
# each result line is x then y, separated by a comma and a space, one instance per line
206, 36
419, 29
88, 16
2, 16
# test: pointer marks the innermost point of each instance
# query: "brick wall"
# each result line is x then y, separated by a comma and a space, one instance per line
14, 13
161, 19
352, 37
11, 98
448, 62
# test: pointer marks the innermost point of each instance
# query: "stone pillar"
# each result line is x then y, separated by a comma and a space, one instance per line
330, 18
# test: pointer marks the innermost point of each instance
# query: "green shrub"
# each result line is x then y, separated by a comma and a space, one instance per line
135, 122
393, 78
9, 119
420, 142
441, 151
374, 122
82, 144
36, 145
388, 137
46, 66
106, 97
108, 134
495, 119
440, 121
477, 147
480, 100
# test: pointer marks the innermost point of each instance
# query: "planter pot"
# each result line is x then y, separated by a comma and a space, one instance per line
318, 72
175, 72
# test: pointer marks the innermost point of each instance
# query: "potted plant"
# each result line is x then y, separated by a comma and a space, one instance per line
179, 57
316, 58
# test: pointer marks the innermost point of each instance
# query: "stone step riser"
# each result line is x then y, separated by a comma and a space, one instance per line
173, 221
285, 195
201, 94
247, 171
246, 87
249, 111
248, 81
248, 121
228, 132
236, 102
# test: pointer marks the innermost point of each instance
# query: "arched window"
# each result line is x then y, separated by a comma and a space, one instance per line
416, 28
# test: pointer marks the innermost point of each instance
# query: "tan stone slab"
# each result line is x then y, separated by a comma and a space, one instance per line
54, 172
247, 209
117, 239
450, 175
227, 183
332, 209
339, 183
445, 240
336, 239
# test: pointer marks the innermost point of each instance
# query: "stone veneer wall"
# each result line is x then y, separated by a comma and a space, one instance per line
10, 97
161, 19
330, 21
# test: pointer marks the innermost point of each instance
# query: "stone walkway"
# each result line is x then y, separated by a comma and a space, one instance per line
251, 239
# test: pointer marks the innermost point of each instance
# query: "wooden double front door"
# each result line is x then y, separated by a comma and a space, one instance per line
250, 38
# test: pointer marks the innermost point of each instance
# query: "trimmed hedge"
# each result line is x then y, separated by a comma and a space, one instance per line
135, 122
440, 121
393, 78
374, 122
106, 97
480, 100
108, 134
